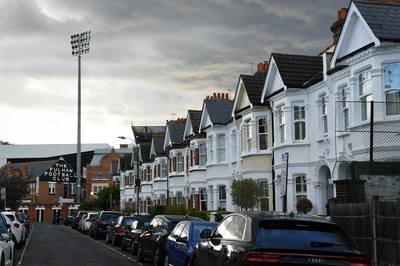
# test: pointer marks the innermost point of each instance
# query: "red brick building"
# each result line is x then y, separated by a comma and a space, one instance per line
52, 187
100, 174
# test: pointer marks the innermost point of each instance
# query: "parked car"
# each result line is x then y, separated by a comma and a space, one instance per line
25, 219
116, 230
75, 221
69, 218
152, 241
100, 223
86, 222
131, 235
18, 229
183, 239
7, 246
266, 238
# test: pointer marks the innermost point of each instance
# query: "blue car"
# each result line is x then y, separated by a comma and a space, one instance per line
183, 239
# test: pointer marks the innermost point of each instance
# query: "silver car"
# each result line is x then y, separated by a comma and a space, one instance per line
86, 221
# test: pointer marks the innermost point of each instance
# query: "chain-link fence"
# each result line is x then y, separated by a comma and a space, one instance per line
368, 131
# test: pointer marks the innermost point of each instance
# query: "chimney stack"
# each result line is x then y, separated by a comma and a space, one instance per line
337, 26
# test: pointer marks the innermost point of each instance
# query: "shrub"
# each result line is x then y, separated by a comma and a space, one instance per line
304, 205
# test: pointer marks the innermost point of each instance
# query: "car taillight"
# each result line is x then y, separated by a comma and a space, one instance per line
101, 222
87, 220
266, 257
358, 262
120, 230
16, 225
253, 256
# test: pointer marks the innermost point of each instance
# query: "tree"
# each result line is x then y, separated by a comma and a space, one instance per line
104, 198
16, 188
246, 192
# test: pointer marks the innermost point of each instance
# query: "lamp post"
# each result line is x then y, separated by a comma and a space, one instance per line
137, 178
80, 45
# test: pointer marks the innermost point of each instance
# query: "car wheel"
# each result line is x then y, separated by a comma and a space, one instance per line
133, 249
158, 258
166, 260
139, 254
194, 261
123, 247
3, 263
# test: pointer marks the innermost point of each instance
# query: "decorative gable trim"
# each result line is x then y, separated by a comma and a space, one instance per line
355, 36
273, 81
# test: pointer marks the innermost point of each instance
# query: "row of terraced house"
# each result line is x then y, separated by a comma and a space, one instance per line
321, 127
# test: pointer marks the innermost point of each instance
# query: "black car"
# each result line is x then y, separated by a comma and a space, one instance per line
103, 220
69, 218
26, 221
132, 232
152, 241
75, 221
267, 238
116, 230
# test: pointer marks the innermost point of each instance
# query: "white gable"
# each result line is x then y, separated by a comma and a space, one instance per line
241, 98
167, 139
273, 81
355, 35
205, 119
188, 126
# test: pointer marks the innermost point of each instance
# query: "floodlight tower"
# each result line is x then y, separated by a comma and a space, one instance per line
80, 45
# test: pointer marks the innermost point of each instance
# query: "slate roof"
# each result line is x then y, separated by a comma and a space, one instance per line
299, 71
383, 19
35, 169
254, 86
219, 111
145, 152
158, 144
195, 117
176, 130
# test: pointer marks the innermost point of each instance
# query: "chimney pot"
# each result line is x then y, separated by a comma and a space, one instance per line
214, 95
260, 66
219, 96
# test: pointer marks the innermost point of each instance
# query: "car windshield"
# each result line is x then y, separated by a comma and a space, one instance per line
127, 221
109, 217
301, 235
11, 217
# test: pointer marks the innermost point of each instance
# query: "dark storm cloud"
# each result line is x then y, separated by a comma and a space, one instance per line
148, 58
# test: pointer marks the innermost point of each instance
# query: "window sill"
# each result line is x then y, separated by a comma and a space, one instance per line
324, 139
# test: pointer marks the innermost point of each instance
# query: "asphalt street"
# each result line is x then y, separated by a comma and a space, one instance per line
54, 245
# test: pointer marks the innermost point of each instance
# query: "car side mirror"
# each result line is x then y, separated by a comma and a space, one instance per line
5, 237
206, 233
181, 239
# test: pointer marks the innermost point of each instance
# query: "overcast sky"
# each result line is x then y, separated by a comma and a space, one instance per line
148, 59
